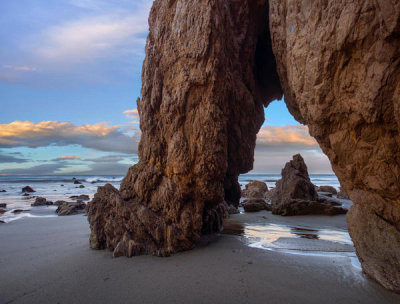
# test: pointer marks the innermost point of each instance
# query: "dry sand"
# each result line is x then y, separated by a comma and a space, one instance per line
48, 260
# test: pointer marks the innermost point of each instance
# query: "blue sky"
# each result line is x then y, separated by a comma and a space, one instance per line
69, 71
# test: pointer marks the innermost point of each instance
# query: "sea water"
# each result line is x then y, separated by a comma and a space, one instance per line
62, 187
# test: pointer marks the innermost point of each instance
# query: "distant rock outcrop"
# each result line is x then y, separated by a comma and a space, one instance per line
255, 189
256, 204
41, 201
28, 189
294, 193
328, 189
82, 197
71, 208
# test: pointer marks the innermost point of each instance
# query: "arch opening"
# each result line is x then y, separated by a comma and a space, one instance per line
205, 83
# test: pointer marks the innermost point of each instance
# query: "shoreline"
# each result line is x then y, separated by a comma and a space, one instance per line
48, 260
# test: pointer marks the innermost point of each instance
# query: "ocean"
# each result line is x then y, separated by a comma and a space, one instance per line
61, 187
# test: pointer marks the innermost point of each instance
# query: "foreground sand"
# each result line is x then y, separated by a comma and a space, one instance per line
47, 260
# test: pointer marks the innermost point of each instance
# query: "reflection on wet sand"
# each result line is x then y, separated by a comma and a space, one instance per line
293, 239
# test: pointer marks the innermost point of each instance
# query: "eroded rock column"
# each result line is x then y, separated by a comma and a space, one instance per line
339, 65
208, 72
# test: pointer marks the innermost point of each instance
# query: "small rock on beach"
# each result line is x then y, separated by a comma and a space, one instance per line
28, 189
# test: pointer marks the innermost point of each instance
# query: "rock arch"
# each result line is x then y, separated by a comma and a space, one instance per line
210, 69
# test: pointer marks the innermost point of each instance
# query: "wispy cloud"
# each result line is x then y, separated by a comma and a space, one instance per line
74, 42
35, 170
4, 158
99, 136
91, 38
19, 68
133, 114
68, 157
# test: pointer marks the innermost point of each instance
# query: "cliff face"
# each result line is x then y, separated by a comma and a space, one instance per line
339, 65
208, 72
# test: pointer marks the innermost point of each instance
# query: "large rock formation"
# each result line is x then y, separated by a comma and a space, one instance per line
338, 63
208, 71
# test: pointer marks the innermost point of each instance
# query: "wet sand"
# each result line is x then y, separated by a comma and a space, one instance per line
47, 260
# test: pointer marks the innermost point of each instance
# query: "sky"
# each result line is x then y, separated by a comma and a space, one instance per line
70, 74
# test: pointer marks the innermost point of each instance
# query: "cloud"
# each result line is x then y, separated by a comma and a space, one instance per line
68, 157
107, 168
107, 159
276, 146
74, 42
20, 68
11, 159
99, 136
133, 114
278, 136
99, 36
86, 4
35, 170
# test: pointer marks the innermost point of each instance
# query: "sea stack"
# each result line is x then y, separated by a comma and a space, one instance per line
294, 193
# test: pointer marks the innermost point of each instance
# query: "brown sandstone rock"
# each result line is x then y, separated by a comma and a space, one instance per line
204, 83
254, 205
339, 66
328, 194
209, 70
83, 197
294, 184
328, 189
342, 194
255, 189
71, 208
305, 207
27, 189
41, 201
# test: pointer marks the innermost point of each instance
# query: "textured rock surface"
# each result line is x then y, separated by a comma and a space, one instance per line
205, 60
294, 184
71, 208
255, 189
328, 189
338, 63
27, 189
342, 194
254, 205
41, 201
305, 207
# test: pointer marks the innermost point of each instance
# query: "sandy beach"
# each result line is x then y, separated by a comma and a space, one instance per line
48, 260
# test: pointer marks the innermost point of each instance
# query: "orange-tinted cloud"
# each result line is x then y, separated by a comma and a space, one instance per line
69, 157
295, 135
134, 114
